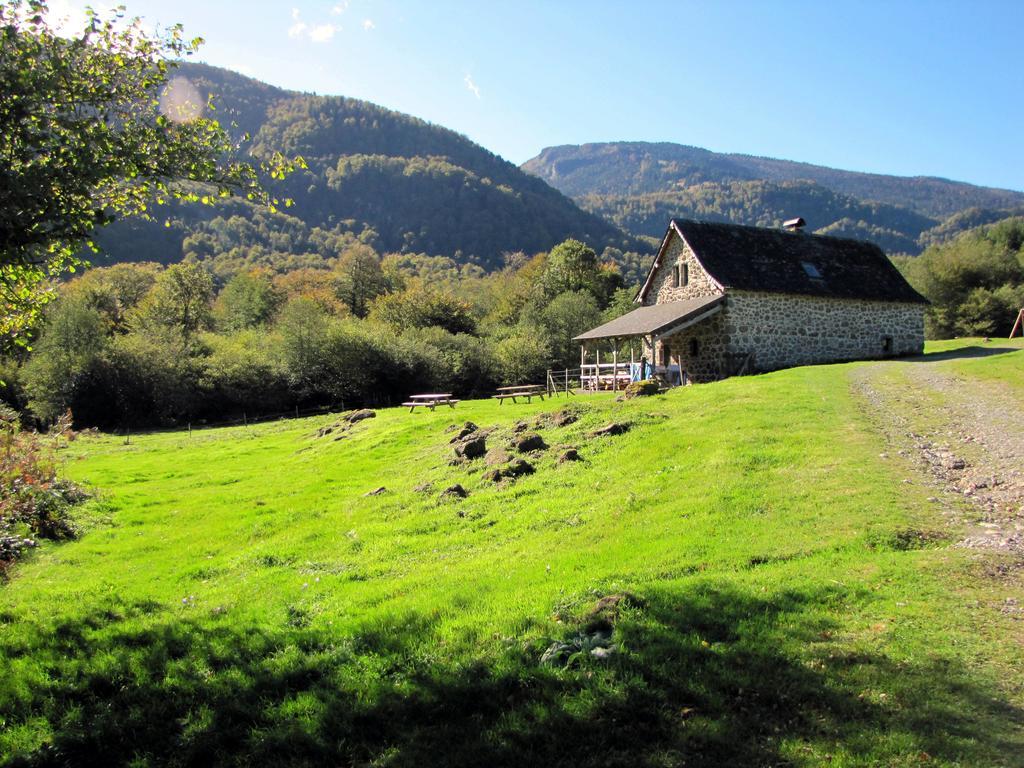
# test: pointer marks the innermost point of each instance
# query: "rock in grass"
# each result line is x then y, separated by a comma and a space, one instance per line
529, 441
605, 613
558, 654
464, 431
644, 388
376, 491
517, 468
564, 417
612, 428
424, 487
472, 448
598, 644
363, 413
569, 454
497, 457
454, 492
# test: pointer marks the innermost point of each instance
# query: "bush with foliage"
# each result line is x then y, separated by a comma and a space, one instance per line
34, 502
975, 282
134, 346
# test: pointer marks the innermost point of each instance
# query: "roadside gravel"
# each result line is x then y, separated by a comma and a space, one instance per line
966, 435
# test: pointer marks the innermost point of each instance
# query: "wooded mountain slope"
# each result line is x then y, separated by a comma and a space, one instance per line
640, 185
396, 182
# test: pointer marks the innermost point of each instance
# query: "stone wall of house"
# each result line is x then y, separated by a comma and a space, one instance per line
781, 330
662, 290
710, 342
784, 329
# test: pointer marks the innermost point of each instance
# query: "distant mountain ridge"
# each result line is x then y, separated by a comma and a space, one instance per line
636, 183
388, 179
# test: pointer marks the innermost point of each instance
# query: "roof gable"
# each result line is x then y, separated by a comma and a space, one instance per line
777, 261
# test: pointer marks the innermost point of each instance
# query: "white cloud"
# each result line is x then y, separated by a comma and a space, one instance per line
368, 24
317, 33
321, 33
298, 28
339, 8
471, 86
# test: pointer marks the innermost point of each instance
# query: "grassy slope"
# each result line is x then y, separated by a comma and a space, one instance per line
238, 597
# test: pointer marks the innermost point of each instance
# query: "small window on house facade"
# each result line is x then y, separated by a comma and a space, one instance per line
680, 275
694, 347
812, 271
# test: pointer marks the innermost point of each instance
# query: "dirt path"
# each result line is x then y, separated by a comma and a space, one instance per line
966, 435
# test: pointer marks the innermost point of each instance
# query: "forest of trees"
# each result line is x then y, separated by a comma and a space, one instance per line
975, 282
390, 180
639, 186
636, 168
142, 344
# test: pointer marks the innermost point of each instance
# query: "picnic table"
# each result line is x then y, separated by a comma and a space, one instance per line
430, 400
528, 391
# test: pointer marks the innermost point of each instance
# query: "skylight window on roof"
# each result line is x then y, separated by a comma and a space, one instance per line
811, 270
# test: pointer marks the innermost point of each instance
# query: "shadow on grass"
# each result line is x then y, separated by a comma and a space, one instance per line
707, 677
963, 353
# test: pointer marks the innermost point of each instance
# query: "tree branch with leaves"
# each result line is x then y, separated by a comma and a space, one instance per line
93, 129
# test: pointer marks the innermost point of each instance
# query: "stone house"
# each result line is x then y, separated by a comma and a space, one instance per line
722, 299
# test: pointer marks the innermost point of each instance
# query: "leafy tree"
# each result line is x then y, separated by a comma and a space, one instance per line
360, 279
318, 285
566, 316
180, 300
620, 303
156, 379
114, 291
248, 300
571, 266
74, 336
92, 130
243, 372
421, 307
522, 358
975, 282
303, 326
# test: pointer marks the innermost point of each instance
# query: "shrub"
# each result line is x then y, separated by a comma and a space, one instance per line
34, 502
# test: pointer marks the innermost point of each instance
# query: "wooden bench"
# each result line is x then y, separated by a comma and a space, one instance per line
529, 391
430, 401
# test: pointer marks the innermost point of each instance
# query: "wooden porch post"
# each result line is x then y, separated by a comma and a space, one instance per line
615, 368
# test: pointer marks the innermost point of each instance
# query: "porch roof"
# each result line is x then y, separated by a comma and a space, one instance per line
656, 319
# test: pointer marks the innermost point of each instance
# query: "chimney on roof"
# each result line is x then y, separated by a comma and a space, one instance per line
794, 225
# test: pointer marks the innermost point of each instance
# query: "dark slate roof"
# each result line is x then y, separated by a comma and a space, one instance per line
655, 319
774, 260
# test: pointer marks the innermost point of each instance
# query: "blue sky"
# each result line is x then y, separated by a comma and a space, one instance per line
930, 88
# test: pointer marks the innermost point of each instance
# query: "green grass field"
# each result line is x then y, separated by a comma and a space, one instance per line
235, 598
